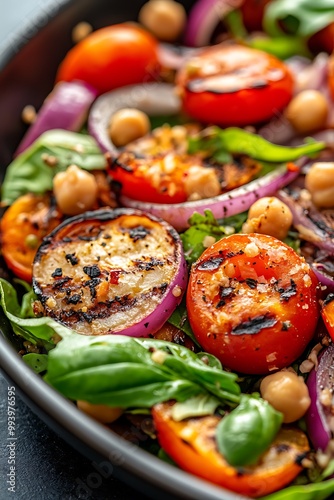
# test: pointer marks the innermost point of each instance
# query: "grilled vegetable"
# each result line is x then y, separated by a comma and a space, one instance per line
252, 302
110, 271
192, 445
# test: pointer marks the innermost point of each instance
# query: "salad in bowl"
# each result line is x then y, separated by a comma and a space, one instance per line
168, 238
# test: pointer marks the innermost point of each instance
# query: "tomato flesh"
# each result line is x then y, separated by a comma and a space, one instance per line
191, 444
234, 85
23, 226
252, 302
327, 313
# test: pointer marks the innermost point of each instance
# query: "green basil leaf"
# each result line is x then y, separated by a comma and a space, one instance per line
201, 226
35, 330
238, 141
283, 47
247, 432
179, 319
130, 372
37, 362
209, 360
30, 171
313, 491
198, 406
300, 17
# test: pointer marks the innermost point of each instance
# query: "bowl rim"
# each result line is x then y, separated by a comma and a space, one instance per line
50, 405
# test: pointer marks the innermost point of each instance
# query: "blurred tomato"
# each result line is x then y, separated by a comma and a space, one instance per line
111, 57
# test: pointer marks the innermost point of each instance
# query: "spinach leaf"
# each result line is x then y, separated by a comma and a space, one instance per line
205, 225
234, 140
37, 362
130, 372
179, 319
35, 330
300, 17
198, 406
245, 433
313, 491
52, 152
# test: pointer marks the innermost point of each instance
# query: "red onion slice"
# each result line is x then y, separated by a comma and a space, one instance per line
318, 415
65, 108
111, 272
234, 202
204, 18
309, 222
153, 99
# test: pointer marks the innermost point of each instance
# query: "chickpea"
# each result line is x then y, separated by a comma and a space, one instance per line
81, 31
127, 125
166, 19
75, 190
287, 393
307, 111
103, 413
269, 215
320, 183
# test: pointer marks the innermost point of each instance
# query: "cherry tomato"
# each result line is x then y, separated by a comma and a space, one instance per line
327, 313
252, 302
111, 57
191, 444
234, 85
23, 227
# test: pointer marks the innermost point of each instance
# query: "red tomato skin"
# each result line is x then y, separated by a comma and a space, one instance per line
327, 313
141, 189
196, 452
291, 323
252, 14
323, 41
260, 98
111, 57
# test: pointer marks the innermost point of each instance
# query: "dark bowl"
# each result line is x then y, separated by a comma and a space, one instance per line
28, 64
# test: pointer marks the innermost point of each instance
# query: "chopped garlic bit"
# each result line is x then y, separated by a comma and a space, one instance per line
252, 250
208, 241
159, 356
177, 291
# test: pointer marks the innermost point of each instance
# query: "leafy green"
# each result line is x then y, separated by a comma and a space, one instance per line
313, 491
179, 319
245, 433
205, 225
31, 172
197, 406
130, 372
35, 330
300, 17
37, 362
234, 140
282, 47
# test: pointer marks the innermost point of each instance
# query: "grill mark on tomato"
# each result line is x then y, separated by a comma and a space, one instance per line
252, 283
288, 292
210, 264
329, 299
254, 325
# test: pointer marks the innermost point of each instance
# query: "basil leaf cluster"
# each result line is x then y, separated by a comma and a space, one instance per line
245, 433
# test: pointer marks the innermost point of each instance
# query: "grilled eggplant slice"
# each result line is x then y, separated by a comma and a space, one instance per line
110, 271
